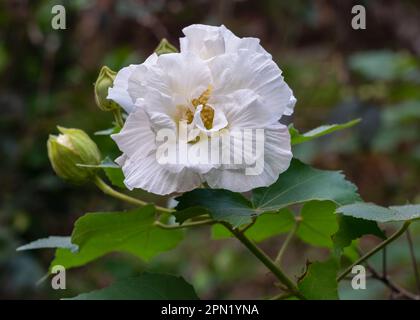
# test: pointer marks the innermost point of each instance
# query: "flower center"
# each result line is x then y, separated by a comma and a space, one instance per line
207, 112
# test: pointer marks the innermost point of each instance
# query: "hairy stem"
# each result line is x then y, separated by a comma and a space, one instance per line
260, 255
413, 260
108, 190
379, 247
185, 225
286, 243
395, 288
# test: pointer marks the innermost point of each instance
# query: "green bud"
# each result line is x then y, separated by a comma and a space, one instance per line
165, 47
72, 148
103, 83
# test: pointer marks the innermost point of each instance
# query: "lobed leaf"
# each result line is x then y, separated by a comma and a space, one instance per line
370, 211
318, 223
300, 183
99, 233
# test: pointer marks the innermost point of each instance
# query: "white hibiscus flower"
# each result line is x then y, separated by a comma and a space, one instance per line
217, 84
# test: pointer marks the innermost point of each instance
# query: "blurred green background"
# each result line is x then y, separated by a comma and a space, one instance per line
337, 74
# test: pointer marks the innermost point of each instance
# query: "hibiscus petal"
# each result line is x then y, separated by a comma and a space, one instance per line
147, 174
276, 159
120, 89
259, 74
136, 136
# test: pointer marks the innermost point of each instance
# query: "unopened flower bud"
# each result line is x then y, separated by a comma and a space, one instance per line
165, 47
71, 153
103, 83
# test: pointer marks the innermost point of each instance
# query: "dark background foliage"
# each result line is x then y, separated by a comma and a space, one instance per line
337, 73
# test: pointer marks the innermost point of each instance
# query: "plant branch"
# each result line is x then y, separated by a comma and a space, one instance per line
395, 288
413, 260
185, 225
108, 190
286, 243
384, 263
260, 255
383, 244
249, 225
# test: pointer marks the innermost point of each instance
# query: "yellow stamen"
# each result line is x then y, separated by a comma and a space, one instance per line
207, 116
203, 98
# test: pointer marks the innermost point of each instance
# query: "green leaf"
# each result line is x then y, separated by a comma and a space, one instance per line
351, 251
318, 223
148, 286
267, 225
165, 47
302, 183
297, 137
351, 228
223, 205
50, 242
319, 281
370, 211
188, 213
133, 232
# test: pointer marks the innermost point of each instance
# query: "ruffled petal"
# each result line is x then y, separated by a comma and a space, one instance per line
210, 41
275, 159
136, 137
119, 91
256, 72
147, 174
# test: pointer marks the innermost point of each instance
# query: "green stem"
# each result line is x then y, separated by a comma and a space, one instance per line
118, 117
121, 196
413, 260
286, 243
379, 247
260, 255
182, 226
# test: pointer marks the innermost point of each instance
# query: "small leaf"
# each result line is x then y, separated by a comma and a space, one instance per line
148, 286
133, 232
297, 137
319, 281
267, 225
351, 228
50, 242
370, 211
165, 47
318, 223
